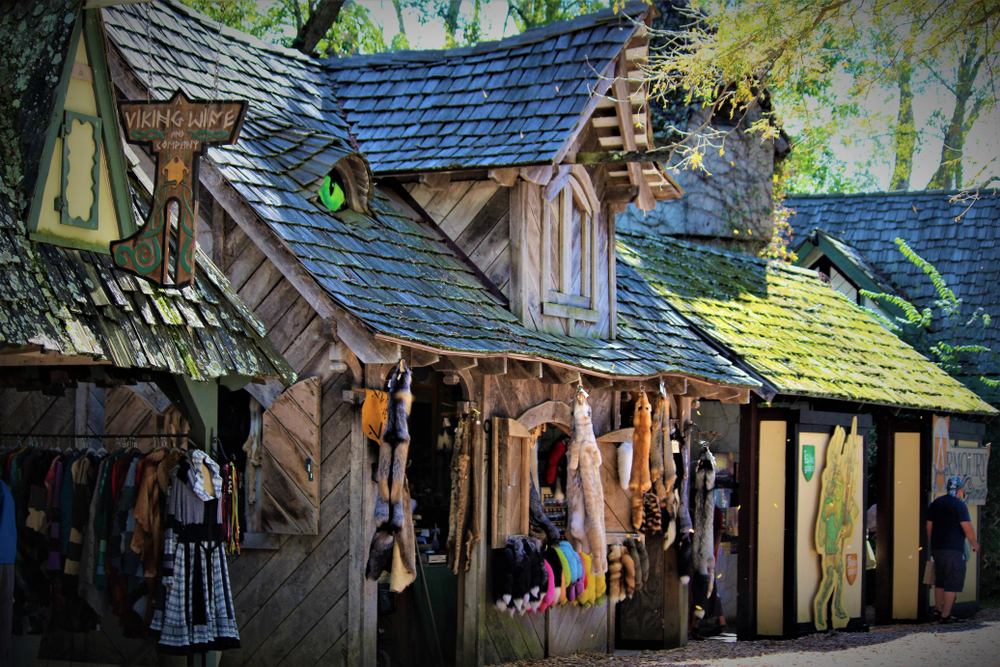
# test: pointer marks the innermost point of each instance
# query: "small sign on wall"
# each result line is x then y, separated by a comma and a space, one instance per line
939, 462
852, 568
374, 413
808, 461
970, 464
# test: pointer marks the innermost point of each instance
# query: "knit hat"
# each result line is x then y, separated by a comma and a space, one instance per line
954, 484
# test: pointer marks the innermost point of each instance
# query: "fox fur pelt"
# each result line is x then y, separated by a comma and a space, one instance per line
615, 574
628, 573
390, 514
624, 464
537, 518
640, 546
404, 550
585, 461
633, 553
639, 481
656, 449
704, 512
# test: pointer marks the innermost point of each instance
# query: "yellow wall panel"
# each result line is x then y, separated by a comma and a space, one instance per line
80, 98
808, 574
771, 528
906, 574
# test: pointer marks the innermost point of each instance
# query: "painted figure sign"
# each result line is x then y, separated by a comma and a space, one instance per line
177, 131
838, 514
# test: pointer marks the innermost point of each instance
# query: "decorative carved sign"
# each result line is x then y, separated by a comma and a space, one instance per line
851, 561
177, 132
939, 465
808, 461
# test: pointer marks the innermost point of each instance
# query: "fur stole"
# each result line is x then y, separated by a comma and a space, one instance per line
404, 549
585, 459
624, 464
656, 446
537, 518
704, 513
390, 514
628, 573
633, 553
640, 546
615, 573
639, 481
683, 520
651, 514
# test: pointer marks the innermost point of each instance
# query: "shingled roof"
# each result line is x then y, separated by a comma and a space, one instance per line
75, 303
961, 242
792, 328
509, 102
394, 273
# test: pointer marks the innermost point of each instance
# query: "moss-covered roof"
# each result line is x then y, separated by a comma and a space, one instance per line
76, 303
795, 330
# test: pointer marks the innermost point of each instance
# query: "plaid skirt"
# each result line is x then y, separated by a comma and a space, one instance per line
197, 613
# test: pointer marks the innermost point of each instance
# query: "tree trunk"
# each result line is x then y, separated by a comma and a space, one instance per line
320, 20
398, 4
451, 19
905, 134
948, 174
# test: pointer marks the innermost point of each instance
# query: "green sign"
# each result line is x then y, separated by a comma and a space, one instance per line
808, 461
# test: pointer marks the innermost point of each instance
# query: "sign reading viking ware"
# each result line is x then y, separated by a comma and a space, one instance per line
970, 463
177, 133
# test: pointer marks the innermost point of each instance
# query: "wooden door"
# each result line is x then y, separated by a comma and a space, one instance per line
290, 463
510, 495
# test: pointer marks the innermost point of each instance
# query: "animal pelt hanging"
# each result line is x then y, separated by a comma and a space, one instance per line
538, 520
633, 553
651, 514
615, 573
585, 462
640, 546
639, 481
628, 573
703, 538
624, 464
657, 468
463, 519
390, 514
404, 550
683, 520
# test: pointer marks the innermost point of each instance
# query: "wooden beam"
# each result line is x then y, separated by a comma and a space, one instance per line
621, 435
505, 176
557, 375
626, 385
699, 389
539, 175
493, 366
452, 363
350, 330
735, 395
524, 370
419, 358
436, 181
624, 156
592, 382
623, 104
675, 385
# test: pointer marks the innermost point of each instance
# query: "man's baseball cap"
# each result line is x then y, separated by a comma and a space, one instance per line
954, 484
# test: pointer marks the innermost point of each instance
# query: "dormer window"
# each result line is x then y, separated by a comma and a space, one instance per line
570, 273
345, 186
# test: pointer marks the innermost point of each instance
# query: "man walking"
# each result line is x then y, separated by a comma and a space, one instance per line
948, 526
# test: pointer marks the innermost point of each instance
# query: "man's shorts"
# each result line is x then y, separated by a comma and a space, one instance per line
949, 570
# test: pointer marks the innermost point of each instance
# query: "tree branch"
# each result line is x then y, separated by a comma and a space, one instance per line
320, 20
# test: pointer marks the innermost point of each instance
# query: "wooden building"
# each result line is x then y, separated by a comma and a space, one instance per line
823, 363
75, 331
495, 279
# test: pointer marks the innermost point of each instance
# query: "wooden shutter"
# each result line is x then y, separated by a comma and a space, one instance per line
290, 462
511, 465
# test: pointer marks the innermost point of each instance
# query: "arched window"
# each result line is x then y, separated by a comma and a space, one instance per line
346, 186
570, 280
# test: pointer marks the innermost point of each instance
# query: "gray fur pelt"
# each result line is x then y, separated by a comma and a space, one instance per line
585, 461
704, 514
683, 517
538, 519
390, 514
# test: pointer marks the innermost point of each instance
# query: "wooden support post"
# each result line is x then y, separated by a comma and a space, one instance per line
746, 585
472, 599
885, 473
675, 594
362, 602
198, 403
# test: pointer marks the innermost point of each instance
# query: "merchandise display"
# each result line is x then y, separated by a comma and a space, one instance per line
140, 534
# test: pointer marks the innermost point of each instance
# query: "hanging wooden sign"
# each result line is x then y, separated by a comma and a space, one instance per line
374, 413
177, 131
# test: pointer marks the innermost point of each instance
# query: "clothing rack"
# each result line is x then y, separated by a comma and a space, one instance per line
122, 436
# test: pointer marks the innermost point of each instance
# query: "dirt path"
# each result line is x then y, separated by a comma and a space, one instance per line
974, 643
